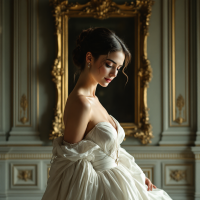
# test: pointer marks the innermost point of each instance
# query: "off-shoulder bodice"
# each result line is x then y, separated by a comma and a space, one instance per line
101, 144
106, 136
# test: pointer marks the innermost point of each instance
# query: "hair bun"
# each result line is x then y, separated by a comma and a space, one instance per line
81, 44
83, 36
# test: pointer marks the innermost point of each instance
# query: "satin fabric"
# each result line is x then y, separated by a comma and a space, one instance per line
88, 170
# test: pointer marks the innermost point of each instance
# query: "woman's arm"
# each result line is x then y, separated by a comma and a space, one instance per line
76, 119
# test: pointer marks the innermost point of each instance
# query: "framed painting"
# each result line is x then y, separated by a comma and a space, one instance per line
127, 102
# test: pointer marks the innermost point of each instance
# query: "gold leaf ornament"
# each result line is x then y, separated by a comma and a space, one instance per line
178, 175
23, 105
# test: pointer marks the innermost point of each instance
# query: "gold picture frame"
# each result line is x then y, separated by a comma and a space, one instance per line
103, 9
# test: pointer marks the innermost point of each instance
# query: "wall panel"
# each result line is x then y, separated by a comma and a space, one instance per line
2, 133
177, 68
25, 100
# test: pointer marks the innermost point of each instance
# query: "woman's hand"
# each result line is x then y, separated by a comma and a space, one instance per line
149, 184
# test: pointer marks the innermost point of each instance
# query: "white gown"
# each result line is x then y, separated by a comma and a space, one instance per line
97, 168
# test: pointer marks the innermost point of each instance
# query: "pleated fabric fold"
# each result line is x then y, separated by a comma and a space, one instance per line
83, 171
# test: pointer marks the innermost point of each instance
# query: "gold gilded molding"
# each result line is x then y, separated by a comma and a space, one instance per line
48, 170
101, 9
25, 174
176, 156
58, 125
48, 156
177, 175
21, 77
144, 133
180, 104
25, 156
173, 69
23, 105
140, 10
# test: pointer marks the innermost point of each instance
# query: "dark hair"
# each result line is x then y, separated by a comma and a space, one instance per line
98, 41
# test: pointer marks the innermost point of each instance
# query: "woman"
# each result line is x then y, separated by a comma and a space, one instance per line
88, 161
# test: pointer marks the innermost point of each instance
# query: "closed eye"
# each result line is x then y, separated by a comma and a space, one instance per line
111, 66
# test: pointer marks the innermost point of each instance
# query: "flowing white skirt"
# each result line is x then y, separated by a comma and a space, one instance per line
87, 173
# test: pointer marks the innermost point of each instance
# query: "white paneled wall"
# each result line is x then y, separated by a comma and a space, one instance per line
25, 102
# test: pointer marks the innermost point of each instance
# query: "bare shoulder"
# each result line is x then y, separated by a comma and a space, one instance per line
79, 103
82, 102
76, 118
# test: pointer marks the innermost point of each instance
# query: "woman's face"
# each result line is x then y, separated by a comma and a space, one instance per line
106, 68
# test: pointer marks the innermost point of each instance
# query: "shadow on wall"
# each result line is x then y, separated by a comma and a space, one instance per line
47, 55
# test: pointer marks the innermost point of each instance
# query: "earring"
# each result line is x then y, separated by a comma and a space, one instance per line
88, 65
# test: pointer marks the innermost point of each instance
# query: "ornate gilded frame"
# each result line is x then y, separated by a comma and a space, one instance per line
102, 9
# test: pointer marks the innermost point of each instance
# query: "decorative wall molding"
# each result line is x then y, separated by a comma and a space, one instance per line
22, 61
179, 22
25, 156
180, 113
178, 65
2, 65
178, 174
23, 111
197, 57
189, 156
24, 175
25, 100
162, 156
196, 151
